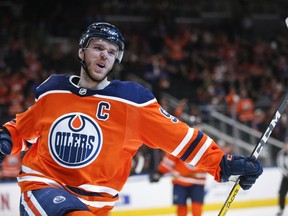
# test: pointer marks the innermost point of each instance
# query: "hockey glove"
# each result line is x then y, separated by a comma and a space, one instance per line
5, 143
155, 176
248, 168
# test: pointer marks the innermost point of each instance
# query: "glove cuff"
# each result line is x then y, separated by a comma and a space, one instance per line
230, 167
224, 176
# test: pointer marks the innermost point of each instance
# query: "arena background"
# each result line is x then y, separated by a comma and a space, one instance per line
233, 49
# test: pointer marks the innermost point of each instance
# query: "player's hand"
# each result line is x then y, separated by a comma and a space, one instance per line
248, 168
5, 144
155, 176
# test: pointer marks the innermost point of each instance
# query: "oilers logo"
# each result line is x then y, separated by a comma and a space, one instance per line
75, 140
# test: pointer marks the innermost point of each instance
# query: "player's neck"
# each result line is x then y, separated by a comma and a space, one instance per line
93, 85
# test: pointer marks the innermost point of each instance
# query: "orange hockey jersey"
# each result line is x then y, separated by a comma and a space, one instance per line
183, 173
85, 139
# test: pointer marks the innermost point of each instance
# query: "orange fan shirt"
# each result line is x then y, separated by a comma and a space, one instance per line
84, 140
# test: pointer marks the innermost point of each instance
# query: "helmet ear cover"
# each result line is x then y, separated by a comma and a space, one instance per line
106, 31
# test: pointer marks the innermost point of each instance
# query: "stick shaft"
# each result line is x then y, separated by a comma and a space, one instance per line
277, 115
256, 152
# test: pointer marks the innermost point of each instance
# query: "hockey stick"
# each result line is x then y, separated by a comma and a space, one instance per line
257, 150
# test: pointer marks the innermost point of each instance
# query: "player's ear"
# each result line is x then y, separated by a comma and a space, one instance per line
81, 54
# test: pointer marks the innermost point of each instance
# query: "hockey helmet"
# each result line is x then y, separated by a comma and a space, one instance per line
106, 31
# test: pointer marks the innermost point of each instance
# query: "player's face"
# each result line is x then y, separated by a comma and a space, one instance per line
100, 56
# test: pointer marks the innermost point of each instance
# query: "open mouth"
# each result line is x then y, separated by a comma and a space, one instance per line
101, 65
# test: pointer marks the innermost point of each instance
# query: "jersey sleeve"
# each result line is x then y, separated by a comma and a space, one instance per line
26, 126
161, 130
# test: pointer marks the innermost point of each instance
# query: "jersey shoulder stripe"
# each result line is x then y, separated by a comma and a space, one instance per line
126, 90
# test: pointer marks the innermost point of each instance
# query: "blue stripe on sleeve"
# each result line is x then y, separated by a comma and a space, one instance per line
192, 146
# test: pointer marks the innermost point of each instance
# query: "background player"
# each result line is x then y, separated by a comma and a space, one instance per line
282, 163
86, 130
188, 183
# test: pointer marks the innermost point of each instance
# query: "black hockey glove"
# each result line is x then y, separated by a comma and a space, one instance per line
155, 176
248, 168
5, 143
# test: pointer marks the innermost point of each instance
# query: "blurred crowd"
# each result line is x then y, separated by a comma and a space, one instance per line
221, 65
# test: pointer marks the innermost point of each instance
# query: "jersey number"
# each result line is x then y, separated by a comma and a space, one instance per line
169, 116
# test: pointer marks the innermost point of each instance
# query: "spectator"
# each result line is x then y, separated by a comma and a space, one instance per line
181, 108
245, 108
232, 98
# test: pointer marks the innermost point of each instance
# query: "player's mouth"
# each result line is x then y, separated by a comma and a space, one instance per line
101, 65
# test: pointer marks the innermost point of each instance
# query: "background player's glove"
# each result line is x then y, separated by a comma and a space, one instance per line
5, 143
155, 176
248, 168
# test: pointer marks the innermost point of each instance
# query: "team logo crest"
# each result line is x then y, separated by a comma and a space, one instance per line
82, 91
75, 140
59, 199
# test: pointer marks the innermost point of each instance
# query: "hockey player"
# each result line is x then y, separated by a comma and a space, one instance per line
86, 129
188, 183
282, 163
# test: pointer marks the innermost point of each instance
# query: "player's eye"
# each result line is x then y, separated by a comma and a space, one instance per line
98, 48
112, 52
